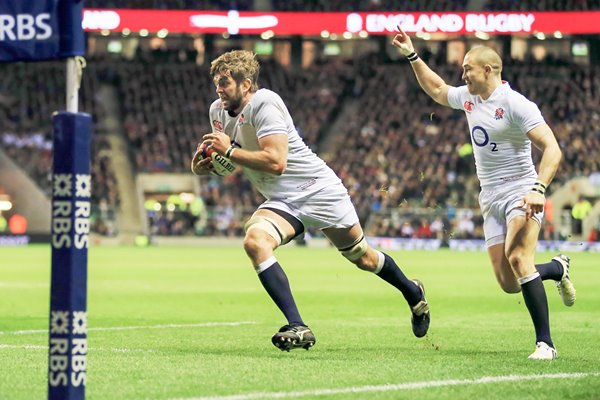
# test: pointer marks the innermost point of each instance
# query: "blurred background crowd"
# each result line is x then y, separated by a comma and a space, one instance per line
406, 161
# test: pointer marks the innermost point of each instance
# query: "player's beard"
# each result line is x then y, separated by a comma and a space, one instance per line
234, 102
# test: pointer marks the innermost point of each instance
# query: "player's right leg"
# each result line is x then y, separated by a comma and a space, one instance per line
502, 270
352, 244
511, 240
265, 231
521, 241
557, 269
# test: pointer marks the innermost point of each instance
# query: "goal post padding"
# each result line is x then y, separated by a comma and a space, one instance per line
71, 195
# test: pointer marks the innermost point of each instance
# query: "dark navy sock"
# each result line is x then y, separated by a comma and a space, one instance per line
537, 304
277, 285
392, 274
550, 270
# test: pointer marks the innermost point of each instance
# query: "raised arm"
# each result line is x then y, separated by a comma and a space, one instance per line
431, 82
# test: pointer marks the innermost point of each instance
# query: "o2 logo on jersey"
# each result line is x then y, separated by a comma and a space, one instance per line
481, 138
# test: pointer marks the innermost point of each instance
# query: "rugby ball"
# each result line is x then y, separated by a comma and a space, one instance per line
222, 166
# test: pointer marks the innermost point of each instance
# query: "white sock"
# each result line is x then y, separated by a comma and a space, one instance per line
528, 278
380, 262
265, 264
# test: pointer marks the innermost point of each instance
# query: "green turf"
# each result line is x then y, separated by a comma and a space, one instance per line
362, 327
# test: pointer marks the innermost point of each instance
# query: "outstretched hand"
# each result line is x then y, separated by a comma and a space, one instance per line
402, 41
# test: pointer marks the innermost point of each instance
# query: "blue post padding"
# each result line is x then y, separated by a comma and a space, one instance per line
71, 193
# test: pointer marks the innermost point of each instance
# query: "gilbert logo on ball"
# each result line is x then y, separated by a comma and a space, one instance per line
222, 165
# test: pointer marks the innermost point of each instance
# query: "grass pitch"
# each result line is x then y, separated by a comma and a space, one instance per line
183, 322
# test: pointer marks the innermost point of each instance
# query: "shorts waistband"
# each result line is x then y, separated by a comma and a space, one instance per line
503, 185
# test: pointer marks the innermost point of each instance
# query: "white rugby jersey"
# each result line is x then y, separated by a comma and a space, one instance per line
266, 114
498, 128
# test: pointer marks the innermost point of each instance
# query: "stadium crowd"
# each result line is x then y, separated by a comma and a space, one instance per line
29, 95
162, 131
410, 151
401, 152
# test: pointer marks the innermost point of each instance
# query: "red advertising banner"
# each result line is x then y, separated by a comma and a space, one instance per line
374, 23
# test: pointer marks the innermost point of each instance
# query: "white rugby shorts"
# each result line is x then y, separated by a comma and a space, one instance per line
500, 204
330, 207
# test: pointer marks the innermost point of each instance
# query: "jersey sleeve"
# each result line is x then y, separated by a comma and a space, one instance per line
211, 119
525, 114
457, 97
269, 119
213, 116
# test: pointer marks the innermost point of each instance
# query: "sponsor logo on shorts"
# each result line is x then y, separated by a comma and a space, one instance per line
511, 178
306, 185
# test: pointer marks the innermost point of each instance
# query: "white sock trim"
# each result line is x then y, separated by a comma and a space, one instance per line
528, 278
265, 264
380, 261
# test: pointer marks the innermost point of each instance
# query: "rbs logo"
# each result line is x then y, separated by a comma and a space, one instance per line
71, 217
25, 27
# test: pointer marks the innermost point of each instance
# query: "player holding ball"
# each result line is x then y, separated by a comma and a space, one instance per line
253, 128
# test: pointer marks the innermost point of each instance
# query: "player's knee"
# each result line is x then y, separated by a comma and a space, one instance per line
265, 226
261, 233
366, 263
254, 242
516, 260
510, 286
358, 254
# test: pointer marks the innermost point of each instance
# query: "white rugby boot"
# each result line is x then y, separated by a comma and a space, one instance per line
565, 287
543, 352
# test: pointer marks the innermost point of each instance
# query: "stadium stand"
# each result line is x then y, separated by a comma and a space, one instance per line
404, 153
29, 95
436, 134
166, 105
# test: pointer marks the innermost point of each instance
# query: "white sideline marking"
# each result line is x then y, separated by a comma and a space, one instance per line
115, 350
125, 328
23, 285
21, 346
394, 387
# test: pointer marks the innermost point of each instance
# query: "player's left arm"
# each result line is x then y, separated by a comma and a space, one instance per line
271, 158
543, 138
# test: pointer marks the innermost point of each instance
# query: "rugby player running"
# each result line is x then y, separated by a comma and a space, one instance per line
503, 124
253, 128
